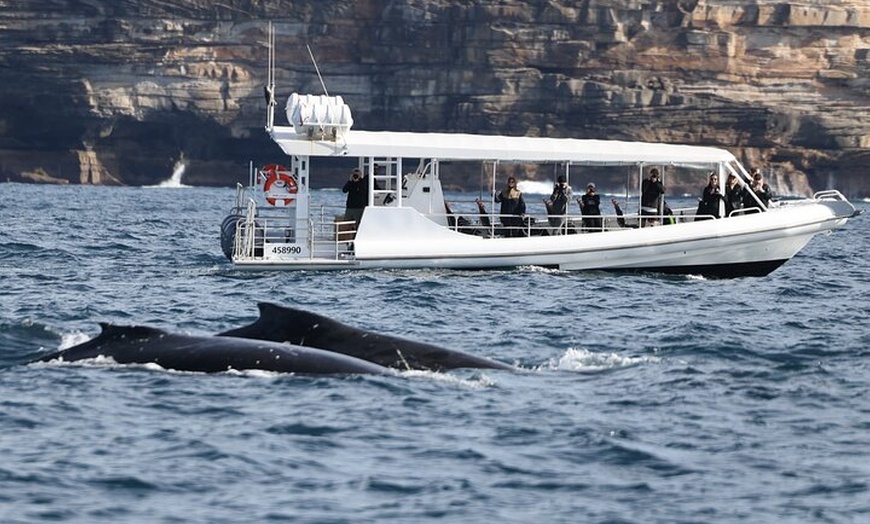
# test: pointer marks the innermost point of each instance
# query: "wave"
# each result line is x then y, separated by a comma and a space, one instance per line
24, 340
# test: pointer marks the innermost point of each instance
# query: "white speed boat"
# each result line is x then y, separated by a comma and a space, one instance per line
275, 225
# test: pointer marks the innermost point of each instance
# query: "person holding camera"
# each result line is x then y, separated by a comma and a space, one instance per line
761, 190
709, 206
590, 208
557, 204
357, 196
652, 191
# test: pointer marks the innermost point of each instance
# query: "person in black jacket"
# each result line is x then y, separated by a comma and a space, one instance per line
709, 205
557, 204
357, 189
760, 189
735, 194
652, 191
513, 208
590, 208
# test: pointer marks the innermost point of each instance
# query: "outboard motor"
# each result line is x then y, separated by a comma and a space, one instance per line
228, 234
229, 231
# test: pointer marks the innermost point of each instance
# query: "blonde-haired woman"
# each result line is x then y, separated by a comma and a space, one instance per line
513, 208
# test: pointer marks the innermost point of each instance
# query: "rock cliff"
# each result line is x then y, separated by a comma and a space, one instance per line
119, 92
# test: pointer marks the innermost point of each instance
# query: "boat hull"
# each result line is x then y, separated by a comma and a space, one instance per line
751, 245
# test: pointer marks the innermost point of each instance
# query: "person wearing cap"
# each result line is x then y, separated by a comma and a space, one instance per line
590, 208
557, 205
760, 189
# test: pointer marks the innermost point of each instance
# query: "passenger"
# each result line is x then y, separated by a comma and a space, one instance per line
557, 205
735, 194
484, 214
620, 220
709, 207
376, 172
459, 222
590, 208
357, 189
513, 208
760, 189
652, 191
669, 217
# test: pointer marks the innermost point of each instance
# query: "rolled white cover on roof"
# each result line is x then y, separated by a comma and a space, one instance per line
319, 116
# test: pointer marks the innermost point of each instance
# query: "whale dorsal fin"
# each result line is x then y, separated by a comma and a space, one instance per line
274, 312
275, 319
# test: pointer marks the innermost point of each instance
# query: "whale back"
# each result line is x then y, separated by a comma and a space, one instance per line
304, 328
208, 354
110, 336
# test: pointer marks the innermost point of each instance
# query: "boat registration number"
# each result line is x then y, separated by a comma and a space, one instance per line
286, 249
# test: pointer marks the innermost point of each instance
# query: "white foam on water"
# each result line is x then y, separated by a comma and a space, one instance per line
585, 361
177, 174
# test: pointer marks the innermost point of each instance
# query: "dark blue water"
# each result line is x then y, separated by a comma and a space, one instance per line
647, 399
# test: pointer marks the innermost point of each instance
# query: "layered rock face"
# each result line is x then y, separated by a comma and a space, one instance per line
109, 92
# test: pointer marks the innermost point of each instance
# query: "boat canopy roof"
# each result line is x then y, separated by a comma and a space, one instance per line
462, 146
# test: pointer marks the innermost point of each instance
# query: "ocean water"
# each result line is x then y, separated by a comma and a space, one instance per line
643, 398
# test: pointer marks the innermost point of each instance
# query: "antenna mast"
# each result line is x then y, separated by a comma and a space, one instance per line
317, 69
269, 88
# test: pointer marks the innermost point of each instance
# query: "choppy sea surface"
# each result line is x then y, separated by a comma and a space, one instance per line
644, 398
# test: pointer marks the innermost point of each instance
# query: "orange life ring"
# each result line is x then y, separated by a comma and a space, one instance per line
269, 170
281, 176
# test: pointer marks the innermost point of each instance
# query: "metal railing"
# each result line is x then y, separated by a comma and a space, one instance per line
494, 225
331, 237
829, 194
244, 246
